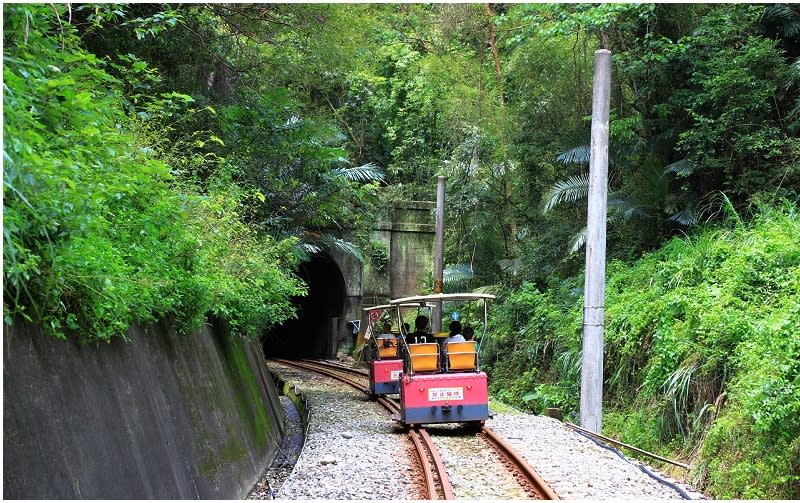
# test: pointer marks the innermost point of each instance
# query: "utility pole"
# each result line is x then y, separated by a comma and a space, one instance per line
594, 288
438, 256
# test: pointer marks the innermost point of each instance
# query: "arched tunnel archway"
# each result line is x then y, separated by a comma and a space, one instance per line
313, 334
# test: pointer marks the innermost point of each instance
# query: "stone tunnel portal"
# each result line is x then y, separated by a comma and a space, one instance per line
315, 331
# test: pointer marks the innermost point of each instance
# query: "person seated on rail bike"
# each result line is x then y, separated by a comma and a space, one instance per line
387, 335
455, 336
419, 335
469, 333
455, 333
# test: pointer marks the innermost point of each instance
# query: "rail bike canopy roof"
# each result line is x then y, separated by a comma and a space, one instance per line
420, 299
372, 308
387, 306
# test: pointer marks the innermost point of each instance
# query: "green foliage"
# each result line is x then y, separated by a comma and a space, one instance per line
530, 337
179, 160
701, 352
751, 450
379, 255
244, 273
297, 167
96, 236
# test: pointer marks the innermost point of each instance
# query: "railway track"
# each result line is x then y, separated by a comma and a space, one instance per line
437, 482
434, 473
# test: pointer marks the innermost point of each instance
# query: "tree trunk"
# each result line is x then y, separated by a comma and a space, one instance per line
495, 55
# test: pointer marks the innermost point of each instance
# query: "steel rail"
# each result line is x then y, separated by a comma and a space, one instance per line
529, 477
322, 370
429, 457
427, 472
426, 449
438, 462
634, 449
336, 366
421, 437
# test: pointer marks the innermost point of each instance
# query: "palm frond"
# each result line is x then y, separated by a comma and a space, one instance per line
629, 208
578, 240
365, 173
666, 137
575, 155
569, 190
786, 19
490, 289
686, 217
457, 274
314, 243
310, 248
680, 168
512, 266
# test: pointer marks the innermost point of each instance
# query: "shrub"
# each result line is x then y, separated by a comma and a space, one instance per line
98, 234
702, 353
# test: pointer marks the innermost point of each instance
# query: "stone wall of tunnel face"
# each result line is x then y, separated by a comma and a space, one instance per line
314, 333
340, 286
411, 250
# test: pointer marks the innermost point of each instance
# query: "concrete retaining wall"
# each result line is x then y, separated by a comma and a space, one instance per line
162, 416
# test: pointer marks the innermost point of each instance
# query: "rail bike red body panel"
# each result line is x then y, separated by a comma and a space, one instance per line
384, 376
444, 398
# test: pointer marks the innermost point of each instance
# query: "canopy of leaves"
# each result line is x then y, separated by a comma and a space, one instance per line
97, 231
178, 160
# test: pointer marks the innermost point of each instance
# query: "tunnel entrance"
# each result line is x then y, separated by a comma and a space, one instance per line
314, 334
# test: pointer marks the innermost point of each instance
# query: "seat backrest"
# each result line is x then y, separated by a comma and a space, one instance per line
424, 357
387, 348
462, 355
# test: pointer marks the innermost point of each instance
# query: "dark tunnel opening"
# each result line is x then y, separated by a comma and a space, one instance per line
311, 335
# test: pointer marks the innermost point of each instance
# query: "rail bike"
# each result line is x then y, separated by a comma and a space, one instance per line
441, 381
383, 350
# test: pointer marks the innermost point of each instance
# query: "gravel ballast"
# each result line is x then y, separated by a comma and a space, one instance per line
353, 452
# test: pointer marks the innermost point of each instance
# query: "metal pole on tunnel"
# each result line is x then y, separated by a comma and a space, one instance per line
591, 406
438, 256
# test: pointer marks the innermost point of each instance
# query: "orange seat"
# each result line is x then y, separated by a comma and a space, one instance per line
462, 355
424, 357
387, 348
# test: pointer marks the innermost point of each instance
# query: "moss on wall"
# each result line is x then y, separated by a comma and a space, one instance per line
160, 417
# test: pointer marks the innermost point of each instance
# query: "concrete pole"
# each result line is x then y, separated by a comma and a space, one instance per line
594, 288
438, 256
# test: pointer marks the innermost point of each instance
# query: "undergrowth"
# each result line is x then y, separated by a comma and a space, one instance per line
702, 353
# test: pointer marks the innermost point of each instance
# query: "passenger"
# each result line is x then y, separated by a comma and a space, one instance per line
469, 333
455, 336
419, 335
455, 333
387, 331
